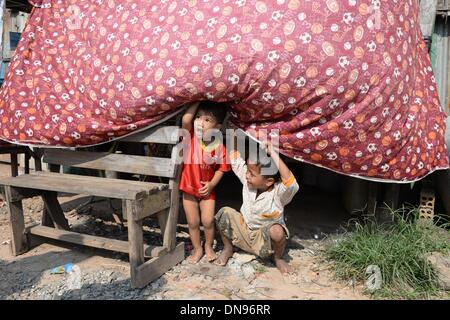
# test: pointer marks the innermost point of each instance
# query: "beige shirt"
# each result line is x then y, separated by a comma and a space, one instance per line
268, 207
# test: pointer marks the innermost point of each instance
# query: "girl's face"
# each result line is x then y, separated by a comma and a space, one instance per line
204, 122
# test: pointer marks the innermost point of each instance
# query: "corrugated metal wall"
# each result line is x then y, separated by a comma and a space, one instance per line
440, 54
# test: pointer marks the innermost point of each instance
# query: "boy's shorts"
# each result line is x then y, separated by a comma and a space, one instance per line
231, 223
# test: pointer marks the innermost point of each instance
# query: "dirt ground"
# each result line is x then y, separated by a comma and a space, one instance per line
105, 275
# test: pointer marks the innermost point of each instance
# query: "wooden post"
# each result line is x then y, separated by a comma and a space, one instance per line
170, 233
14, 164
47, 219
37, 154
391, 196
163, 217
135, 241
16, 224
27, 157
390, 203
53, 208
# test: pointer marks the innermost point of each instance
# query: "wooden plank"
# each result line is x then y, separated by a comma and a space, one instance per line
156, 267
124, 210
164, 135
151, 166
91, 241
152, 187
18, 194
16, 224
135, 239
54, 210
152, 204
7, 28
114, 188
170, 228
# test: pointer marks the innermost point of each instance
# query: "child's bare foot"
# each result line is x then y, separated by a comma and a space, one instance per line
196, 255
210, 254
224, 256
284, 268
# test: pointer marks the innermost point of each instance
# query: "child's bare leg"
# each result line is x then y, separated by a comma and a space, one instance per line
278, 237
191, 208
227, 251
207, 208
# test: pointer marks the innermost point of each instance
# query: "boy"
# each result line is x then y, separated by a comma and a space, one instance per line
260, 227
204, 165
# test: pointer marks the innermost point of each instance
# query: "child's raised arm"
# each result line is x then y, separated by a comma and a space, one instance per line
285, 172
188, 117
237, 163
289, 187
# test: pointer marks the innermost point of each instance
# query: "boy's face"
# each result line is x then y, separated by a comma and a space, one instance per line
203, 122
254, 178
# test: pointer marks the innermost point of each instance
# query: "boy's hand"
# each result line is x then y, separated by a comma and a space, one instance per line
207, 188
268, 147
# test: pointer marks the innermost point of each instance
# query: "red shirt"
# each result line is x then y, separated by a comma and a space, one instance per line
200, 164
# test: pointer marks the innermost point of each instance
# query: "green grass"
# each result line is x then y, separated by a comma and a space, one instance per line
399, 250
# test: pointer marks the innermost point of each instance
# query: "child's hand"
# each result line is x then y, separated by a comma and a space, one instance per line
268, 147
207, 188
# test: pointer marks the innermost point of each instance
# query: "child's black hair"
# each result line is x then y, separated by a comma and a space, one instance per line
262, 160
217, 109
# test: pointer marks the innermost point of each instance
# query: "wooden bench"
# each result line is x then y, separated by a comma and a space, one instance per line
139, 200
14, 150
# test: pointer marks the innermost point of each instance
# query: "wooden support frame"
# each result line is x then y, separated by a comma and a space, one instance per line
40, 232
139, 200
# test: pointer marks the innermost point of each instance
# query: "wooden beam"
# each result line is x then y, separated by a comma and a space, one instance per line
152, 204
151, 166
170, 227
164, 135
14, 165
16, 224
152, 187
101, 187
135, 239
18, 193
156, 267
91, 241
54, 210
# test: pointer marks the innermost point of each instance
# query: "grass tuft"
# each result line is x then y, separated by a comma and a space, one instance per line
399, 250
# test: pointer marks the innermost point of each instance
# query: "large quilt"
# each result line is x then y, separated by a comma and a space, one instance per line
348, 84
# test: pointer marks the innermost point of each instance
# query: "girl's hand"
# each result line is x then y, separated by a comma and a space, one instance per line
207, 188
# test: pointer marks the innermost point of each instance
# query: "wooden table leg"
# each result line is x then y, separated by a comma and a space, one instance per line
14, 165
16, 224
55, 211
27, 161
135, 241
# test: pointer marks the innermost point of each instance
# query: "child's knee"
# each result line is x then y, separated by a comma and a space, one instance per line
193, 221
208, 222
277, 233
